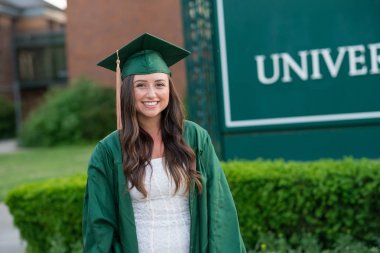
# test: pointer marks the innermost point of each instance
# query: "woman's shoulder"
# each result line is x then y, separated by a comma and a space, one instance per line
110, 146
112, 139
193, 128
194, 134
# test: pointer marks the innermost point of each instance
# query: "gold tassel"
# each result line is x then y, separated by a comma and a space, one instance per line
118, 89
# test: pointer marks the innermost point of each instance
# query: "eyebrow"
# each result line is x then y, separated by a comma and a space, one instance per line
145, 81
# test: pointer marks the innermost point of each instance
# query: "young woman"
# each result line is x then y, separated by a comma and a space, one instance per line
155, 185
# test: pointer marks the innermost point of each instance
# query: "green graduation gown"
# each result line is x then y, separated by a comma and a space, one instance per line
108, 219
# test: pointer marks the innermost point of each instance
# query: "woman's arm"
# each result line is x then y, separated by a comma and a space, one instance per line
224, 232
99, 217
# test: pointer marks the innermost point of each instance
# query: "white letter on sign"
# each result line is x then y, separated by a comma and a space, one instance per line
315, 64
375, 58
289, 62
333, 68
354, 60
261, 69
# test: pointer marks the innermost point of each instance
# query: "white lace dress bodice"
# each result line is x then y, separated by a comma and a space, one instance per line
163, 218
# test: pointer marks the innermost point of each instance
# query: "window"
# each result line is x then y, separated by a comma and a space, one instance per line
42, 66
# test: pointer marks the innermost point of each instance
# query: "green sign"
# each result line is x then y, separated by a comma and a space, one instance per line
295, 63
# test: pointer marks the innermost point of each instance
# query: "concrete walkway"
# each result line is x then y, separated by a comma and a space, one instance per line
10, 241
8, 146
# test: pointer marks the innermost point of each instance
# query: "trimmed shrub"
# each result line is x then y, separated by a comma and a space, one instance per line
7, 119
309, 244
82, 112
325, 199
49, 213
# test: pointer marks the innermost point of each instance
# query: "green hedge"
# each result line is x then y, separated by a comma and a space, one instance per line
325, 199
81, 112
7, 119
49, 213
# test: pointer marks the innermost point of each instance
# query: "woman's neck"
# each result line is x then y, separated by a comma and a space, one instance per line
152, 127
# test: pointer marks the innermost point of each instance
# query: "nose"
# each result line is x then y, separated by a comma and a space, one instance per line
151, 91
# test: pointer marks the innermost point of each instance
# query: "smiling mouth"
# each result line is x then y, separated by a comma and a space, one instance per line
151, 103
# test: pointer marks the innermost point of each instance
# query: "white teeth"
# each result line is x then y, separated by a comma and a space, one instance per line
150, 103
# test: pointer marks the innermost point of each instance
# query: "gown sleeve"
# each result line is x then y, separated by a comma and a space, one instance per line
99, 218
224, 231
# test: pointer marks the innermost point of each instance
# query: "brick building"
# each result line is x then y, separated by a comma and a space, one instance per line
97, 28
32, 49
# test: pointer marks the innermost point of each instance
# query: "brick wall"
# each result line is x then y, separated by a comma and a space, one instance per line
6, 61
96, 28
37, 24
32, 24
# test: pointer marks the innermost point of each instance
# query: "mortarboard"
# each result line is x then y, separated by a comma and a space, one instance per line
144, 55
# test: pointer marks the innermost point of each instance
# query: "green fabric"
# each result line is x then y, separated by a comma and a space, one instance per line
145, 62
145, 55
108, 219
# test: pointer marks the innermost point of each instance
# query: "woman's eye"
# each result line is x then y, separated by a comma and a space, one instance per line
139, 85
160, 84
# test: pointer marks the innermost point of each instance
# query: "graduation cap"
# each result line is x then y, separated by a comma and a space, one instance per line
144, 55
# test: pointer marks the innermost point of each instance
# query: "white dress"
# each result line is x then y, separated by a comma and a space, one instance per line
163, 218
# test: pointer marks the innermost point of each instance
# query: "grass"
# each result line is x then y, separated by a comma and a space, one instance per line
30, 165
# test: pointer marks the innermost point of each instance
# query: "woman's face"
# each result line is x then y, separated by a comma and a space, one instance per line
151, 95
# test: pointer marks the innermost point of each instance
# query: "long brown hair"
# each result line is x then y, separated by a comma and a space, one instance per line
137, 144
